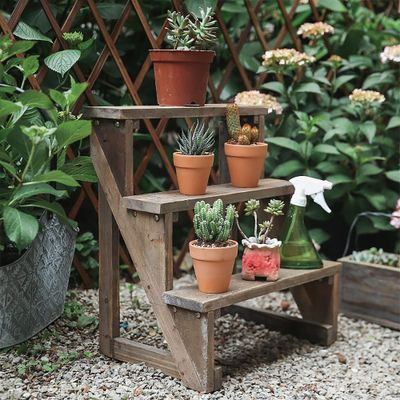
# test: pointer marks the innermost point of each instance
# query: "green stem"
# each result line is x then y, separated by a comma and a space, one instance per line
29, 162
269, 228
255, 224
240, 229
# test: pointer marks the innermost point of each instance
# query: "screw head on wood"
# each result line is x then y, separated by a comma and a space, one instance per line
174, 309
198, 315
96, 122
156, 217
117, 124
135, 213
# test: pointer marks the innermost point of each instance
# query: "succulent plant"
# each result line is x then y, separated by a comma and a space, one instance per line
191, 32
245, 134
210, 224
198, 140
261, 231
376, 256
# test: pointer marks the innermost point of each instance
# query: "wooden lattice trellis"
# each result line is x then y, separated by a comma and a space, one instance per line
133, 84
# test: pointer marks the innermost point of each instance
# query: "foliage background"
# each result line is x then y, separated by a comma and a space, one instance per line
360, 157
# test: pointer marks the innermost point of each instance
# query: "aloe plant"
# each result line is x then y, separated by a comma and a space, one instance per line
198, 140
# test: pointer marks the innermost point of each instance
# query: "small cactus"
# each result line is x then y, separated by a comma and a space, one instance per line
243, 139
254, 134
210, 224
233, 121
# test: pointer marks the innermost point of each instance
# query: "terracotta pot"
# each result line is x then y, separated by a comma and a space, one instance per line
261, 262
213, 266
193, 172
245, 163
181, 76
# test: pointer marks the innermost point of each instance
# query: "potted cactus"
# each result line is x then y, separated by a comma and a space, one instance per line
181, 73
213, 253
261, 257
244, 153
194, 159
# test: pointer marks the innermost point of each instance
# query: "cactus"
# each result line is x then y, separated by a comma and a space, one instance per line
254, 134
210, 224
233, 121
243, 139
197, 141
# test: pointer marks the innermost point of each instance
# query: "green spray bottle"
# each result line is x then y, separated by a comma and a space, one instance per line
297, 250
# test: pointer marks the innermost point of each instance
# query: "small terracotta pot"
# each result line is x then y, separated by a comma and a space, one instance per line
245, 163
193, 172
261, 263
181, 76
213, 266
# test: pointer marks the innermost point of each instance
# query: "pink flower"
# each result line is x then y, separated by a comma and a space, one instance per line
395, 220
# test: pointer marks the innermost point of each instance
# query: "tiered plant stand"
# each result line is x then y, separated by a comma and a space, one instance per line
145, 222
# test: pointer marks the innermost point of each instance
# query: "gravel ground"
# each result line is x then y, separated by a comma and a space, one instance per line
63, 362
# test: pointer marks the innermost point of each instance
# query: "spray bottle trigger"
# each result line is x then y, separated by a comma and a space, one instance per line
320, 199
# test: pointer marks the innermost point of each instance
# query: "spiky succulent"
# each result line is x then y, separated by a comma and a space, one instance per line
260, 235
191, 32
210, 223
198, 140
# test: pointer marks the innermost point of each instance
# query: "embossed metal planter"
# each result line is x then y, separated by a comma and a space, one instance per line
33, 288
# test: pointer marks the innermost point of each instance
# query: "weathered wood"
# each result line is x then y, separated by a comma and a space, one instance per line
156, 112
131, 351
197, 332
108, 277
371, 292
191, 299
304, 329
173, 201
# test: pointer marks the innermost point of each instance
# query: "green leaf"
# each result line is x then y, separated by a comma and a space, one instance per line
58, 97
8, 107
369, 169
30, 65
394, 122
319, 235
53, 207
326, 149
393, 175
377, 79
86, 320
35, 189
62, 61
9, 168
34, 98
24, 31
285, 142
341, 80
274, 86
73, 94
80, 168
194, 6
369, 130
72, 131
309, 87
339, 179
19, 48
56, 176
20, 228
333, 5
288, 168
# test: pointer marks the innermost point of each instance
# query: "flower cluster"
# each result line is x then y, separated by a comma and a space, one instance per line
366, 97
286, 57
395, 220
391, 53
315, 30
255, 98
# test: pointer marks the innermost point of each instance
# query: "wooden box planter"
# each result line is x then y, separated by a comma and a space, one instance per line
370, 292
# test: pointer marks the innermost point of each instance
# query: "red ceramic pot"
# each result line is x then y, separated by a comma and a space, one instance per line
263, 262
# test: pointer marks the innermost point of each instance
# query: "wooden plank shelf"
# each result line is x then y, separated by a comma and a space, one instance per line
156, 112
173, 201
191, 299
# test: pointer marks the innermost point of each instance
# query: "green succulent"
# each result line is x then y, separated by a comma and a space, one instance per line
275, 207
210, 224
376, 256
198, 140
251, 206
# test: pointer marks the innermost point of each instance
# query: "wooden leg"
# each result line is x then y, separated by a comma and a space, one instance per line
197, 332
108, 277
318, 301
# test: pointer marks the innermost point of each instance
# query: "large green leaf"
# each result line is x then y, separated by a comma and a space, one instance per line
333, 5
72, 131
18, 48
285, 142
326, 149
35, 98
35, 189
56, 176
369, 169
341, 80
274, 86
8, 107
378, 79
288, 168
24, 31
393, 175
30, 65
309, 87
80, 168
53, 207
20, 228
394, 122
62, 61
369, 130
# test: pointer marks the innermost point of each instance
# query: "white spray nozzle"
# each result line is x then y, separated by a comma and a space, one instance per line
306, 186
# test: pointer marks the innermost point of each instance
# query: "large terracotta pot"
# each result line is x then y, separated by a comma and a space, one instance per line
181, 76
261, 262
193, 172
213, 266
245, 163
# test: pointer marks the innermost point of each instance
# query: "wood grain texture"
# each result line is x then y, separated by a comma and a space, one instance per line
156, 112
173, 201
370, 292
190, 298
131, 351
304, 329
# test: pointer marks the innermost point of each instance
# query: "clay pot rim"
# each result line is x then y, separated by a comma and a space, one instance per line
257, 144
180, 51
232, 244
178, 153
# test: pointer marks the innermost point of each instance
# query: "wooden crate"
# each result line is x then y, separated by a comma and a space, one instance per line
370, 292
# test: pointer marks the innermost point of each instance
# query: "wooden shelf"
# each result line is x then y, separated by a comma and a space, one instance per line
173, 201
155, 112
191, 299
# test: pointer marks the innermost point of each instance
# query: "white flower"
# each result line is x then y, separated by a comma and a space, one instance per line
365, 97
391, 53
291, 57
255, 98
315, 30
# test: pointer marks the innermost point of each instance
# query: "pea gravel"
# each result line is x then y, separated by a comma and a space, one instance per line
364, 363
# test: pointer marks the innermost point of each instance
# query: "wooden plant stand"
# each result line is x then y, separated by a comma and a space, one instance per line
145, 222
